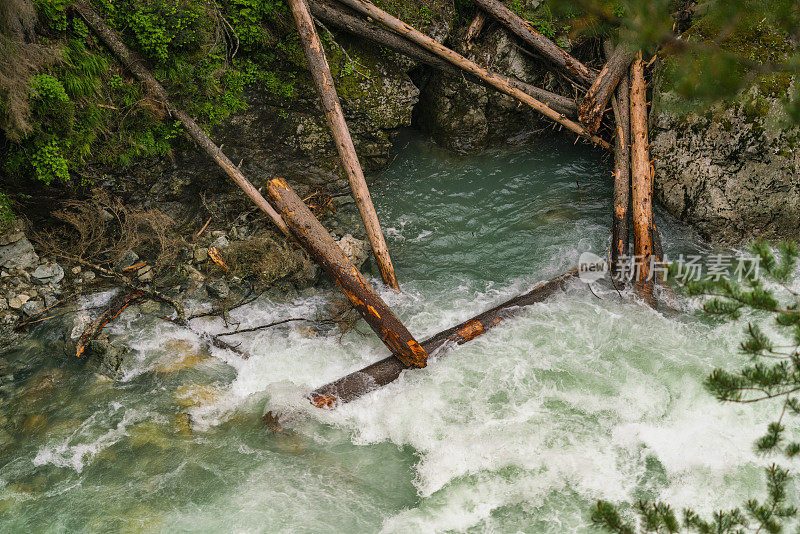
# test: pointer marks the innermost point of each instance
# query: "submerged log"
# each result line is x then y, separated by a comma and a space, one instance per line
132, 62
622, 175
641, 183
311, 235
498, 82
342, 19
593, 105
323, 81
568, 65
387, 370
476, 26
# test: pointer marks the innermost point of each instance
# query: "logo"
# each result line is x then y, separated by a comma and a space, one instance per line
591, 267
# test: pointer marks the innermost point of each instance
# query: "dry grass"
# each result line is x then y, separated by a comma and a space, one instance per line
267, 259
102, 229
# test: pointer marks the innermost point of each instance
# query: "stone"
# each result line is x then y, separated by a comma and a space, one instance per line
17, 301
50, 301
194, 275
3, 304
218, 289
196, 395
150, 307
88, 276
76, 269
32, 307
145, 274
200, 255
220, 242
127, 260
217, 233
12, 236
19, 254
109, 356
51, 273
356, 250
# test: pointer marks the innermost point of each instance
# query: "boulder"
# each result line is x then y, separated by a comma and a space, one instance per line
19, 254
16, 302
33, 307
356, 250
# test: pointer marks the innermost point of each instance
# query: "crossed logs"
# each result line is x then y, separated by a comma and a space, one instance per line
621, 82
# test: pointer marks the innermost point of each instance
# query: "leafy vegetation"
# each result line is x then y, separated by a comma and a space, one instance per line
771, 374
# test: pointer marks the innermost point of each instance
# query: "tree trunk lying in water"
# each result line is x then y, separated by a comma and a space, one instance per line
641, 183
387, 370
622, 173
323, 81
311, 235
137, 68
498, 82
568, 65
341, 18
593, 105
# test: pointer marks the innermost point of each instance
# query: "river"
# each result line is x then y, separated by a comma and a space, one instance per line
587, 396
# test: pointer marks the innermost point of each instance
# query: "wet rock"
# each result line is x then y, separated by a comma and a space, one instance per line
107, 357
196, 395
51, 273
3, 304
17, 301
194, 275
19, 254
33, 307
88, 276
218, 289
130, 258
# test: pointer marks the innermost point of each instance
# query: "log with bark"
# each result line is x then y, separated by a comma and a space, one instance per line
343, 19
498, 82
387, 370
622, 174
566, 64
593, 105
311, 235
641, 183
323, 81
132, 62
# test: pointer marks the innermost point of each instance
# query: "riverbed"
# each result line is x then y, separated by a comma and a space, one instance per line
590, 395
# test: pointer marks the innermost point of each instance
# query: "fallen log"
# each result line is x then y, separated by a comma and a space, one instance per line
641, 183
622, 175
498, 82
342, 19
323, 81
311, 235
568, 65
132, 62
387, 370
112, 311
476, 26
593, 105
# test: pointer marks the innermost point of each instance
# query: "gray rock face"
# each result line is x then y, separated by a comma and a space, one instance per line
18, 254
732, 173
47, 274
32, 307
218, 289
356, 250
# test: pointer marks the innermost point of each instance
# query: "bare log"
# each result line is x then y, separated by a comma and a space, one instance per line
498, 82
568, 65
593, 105
641, 183
476, 26
137, 68
622, 174
387, 370
342, 19
311, 235
323, 81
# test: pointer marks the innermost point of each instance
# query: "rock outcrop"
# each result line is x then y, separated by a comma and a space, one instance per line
733, 172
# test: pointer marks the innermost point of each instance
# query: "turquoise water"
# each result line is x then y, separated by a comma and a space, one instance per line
580, 398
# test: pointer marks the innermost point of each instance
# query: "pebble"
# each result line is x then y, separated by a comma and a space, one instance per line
127, 260
76, 269
220, 242
88, 276
218, 289
145, 274
17, 302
